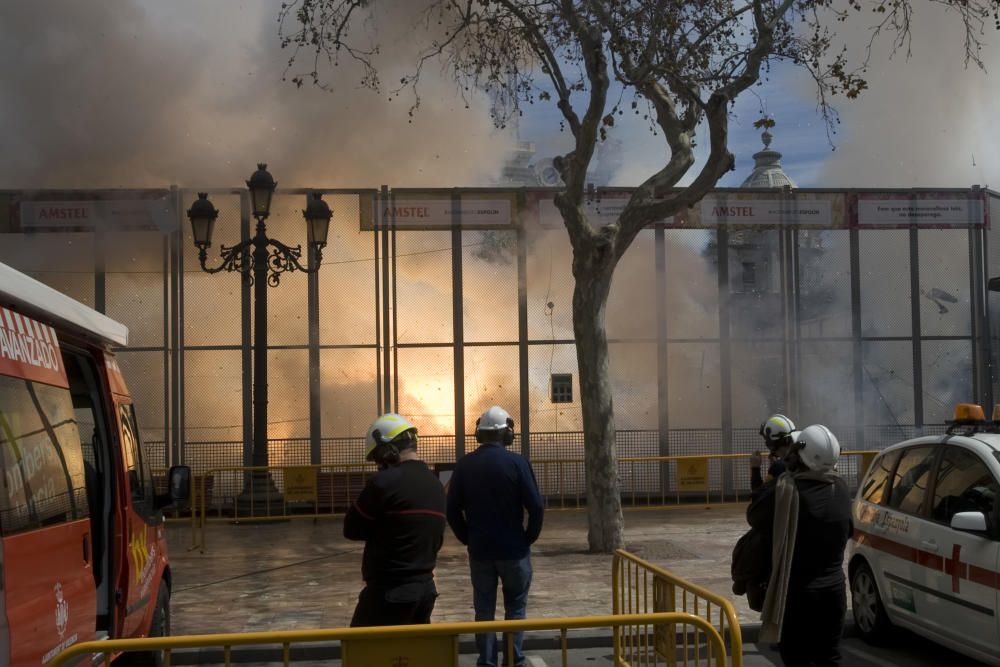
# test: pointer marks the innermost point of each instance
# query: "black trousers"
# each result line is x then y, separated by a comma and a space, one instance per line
814, 621
399, 604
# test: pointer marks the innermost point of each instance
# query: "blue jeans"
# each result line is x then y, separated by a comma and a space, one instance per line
515, 576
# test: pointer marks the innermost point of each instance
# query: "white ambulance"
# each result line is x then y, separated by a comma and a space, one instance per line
83, 554
925, 554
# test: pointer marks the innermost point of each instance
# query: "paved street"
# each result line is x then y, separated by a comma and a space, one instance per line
300, 574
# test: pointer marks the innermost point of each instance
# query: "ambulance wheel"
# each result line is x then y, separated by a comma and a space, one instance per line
866, 605
160, 627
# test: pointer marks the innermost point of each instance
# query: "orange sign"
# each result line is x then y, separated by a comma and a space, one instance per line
30, 350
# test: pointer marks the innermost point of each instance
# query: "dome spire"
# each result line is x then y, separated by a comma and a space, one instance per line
767, 171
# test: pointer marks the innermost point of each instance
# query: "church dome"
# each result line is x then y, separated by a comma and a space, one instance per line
767, 171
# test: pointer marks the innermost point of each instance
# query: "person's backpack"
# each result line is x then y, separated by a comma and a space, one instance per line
751, 567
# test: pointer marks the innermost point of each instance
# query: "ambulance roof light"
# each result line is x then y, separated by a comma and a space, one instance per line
969, 412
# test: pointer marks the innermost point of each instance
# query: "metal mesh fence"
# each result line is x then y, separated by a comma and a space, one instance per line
810, 332
211, 306
347, 278
489, 286
61, 260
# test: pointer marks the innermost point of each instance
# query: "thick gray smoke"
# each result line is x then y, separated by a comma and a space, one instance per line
140, 93
926, 120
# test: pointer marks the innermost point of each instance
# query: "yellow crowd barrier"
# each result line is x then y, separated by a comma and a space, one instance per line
434, 645
639, 587
316, 491
279, 493
670, 481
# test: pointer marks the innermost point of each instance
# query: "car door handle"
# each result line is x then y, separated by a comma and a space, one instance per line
86, 548
930, 545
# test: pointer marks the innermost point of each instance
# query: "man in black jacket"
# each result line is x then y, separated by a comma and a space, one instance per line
808, 513
400, 515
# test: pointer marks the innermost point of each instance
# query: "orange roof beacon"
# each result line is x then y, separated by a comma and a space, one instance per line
82, 549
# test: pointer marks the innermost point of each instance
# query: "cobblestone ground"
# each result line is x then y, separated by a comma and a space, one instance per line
301, 574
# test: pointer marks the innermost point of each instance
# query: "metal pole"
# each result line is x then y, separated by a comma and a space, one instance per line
180, 416
725, 356
522, 335
172, 455
379, 215
858, 347
662, 351
100, 277
315, 425
457, 322
260, 345
246, 331
918, 367
175, 242
985, 334
386, 337
395, 313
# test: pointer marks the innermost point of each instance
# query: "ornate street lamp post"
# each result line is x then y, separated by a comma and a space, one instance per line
261, 260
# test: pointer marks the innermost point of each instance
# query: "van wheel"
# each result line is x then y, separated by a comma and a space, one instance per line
160, 627
866, 605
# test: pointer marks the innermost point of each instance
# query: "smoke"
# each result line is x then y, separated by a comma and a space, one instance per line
924, 118
141, 94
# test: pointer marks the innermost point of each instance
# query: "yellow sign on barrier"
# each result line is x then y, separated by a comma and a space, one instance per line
692, 474
300, 484
397, 652
866, 463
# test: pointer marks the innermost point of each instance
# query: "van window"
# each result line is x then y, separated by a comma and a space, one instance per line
876, 483
40, 456
910, 481
139, 476
964, 484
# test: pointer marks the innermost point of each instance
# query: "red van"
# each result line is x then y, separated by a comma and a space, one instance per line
82, 548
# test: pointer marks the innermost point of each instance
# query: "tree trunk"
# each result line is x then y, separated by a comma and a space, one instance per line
604, 509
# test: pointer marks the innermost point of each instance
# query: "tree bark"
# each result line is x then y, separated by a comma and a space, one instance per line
592, 272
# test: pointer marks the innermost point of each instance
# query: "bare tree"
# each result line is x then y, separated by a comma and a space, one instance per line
680, 64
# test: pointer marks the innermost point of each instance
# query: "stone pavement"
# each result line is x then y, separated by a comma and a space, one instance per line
300, 574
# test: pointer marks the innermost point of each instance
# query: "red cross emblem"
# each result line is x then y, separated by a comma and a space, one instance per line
956, 568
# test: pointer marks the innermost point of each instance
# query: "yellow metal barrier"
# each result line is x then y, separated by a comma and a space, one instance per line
434, 645
317, 491
639, 587
669, 481
289, 492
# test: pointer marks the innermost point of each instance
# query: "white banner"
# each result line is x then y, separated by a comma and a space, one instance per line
928, 212
773, 212
113, 214
600, 212
423, 213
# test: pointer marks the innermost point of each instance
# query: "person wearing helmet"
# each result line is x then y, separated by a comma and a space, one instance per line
400, 515
489, 493
778, 432
807, 516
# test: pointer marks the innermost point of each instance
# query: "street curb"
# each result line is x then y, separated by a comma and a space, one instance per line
543, 641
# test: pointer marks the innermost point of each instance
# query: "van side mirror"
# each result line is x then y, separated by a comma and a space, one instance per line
179, 487
969, 522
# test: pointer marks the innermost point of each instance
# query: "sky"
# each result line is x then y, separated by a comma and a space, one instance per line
142, 93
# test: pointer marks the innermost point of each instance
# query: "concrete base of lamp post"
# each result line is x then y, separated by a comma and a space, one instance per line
260, 497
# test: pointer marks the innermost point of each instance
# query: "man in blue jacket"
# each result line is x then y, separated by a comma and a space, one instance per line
488, 495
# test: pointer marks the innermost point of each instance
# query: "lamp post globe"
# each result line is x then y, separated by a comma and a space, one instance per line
261, 186
317, 214
202, 215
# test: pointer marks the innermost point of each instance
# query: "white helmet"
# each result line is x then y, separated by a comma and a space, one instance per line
387, 429
495, 422
777, 427
817, 447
